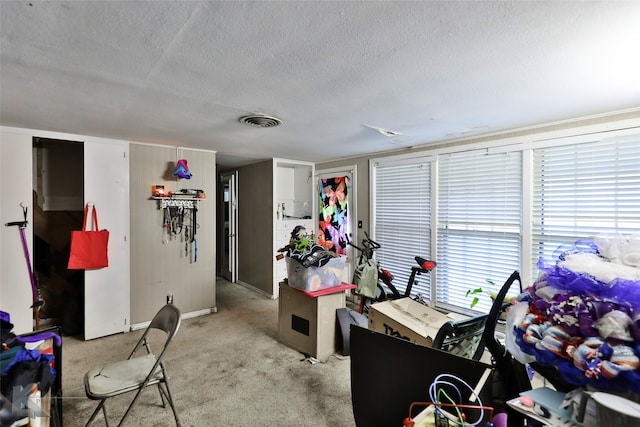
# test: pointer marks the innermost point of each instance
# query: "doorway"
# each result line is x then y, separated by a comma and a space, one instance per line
58, 199
337, 211
228, 224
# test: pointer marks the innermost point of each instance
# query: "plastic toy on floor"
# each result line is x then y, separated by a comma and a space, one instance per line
182, 170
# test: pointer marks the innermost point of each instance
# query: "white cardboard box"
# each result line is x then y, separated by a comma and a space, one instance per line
407, 319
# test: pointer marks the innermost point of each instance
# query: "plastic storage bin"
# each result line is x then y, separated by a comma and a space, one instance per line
616, 411
313, 279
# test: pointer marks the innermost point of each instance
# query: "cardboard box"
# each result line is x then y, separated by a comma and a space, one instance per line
407, 319
308, 324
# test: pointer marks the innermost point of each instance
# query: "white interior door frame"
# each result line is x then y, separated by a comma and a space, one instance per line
232, 236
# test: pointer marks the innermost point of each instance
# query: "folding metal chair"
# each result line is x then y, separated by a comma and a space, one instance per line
462, 338
136, 373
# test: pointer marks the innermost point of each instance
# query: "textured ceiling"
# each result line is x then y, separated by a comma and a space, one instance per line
183, 72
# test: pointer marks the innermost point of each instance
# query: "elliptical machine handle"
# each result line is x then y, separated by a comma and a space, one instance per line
372, 243
350, 243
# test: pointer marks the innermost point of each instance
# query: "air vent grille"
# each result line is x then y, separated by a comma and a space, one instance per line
260, 121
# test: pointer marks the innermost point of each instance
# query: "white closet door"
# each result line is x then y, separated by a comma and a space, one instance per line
15, 187
106, 184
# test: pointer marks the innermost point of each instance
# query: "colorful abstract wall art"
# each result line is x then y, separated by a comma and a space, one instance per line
333, 216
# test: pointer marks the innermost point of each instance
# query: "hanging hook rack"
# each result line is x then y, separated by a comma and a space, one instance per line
188, 204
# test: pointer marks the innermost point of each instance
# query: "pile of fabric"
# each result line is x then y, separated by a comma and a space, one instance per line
306, 251
582, 315
23, 371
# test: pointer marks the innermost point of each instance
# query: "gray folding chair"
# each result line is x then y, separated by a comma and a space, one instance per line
136, 373
462, 338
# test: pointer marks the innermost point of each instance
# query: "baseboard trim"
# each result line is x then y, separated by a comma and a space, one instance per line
189, 315
256, 290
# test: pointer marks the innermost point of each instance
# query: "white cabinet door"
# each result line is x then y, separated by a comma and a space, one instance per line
15, 187
106, 184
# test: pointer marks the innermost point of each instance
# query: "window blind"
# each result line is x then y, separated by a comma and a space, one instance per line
583, 190
478, 224
402, 219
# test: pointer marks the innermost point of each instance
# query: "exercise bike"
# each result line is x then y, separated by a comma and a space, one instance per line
385, 288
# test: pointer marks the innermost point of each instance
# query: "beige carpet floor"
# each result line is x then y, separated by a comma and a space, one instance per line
227, 369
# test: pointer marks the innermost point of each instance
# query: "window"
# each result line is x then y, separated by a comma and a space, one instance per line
402, 218
583, 190
481, 214
479, 224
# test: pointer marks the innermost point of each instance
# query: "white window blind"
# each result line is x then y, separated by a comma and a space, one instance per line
583, 190
478, 225
402, 219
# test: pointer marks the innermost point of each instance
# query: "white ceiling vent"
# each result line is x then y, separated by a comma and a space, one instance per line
260, 120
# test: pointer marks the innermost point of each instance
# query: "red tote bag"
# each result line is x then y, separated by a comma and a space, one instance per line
89, 247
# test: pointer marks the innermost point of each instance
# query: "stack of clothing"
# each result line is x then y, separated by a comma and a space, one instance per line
23, 371
582, 315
